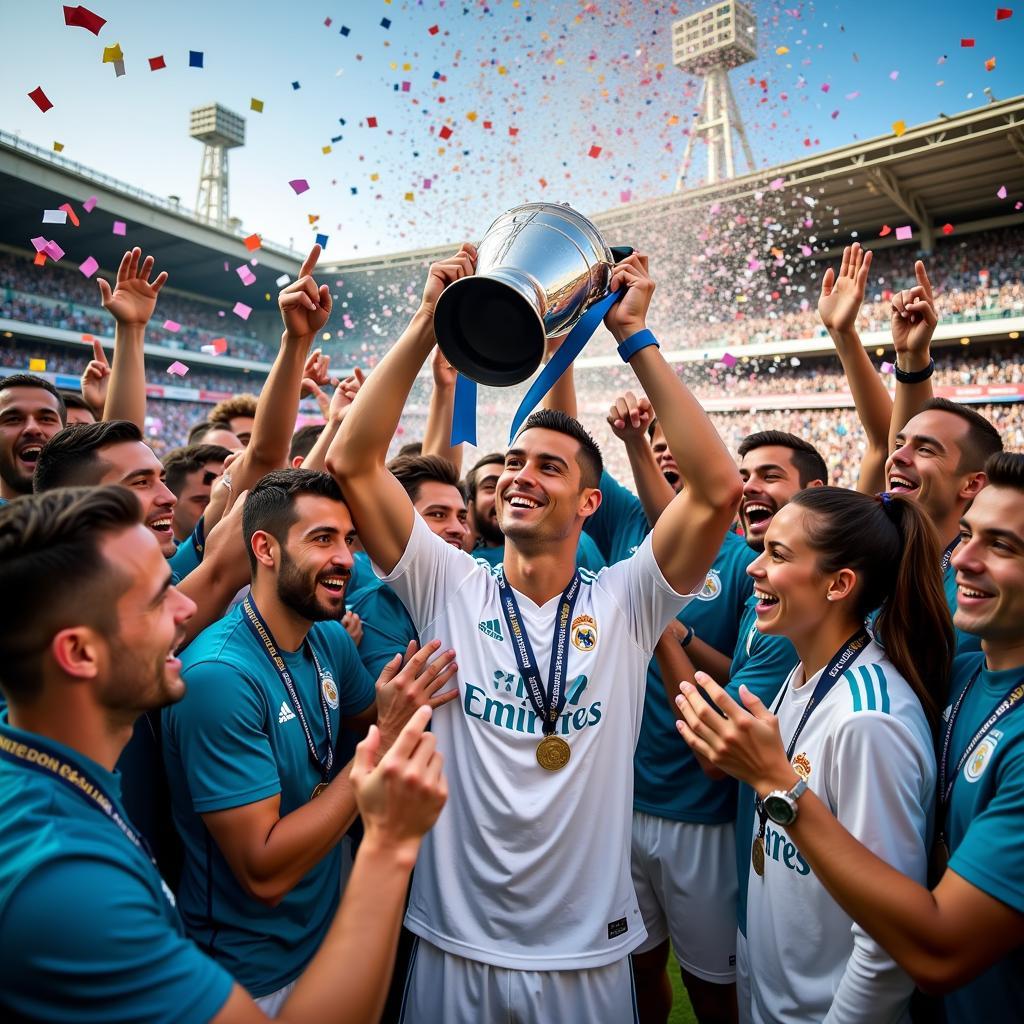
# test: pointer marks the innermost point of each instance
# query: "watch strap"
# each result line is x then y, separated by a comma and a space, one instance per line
631, 345
914, 376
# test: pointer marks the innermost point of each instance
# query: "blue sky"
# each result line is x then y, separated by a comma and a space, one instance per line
553, 80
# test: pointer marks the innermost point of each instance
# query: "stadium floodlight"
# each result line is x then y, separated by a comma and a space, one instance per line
219, 129
709, 44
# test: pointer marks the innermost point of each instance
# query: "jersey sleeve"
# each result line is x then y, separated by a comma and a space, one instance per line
219, 730
429, 574
991, 854
387, 629
619, 520
92, 945
356, 689
881, 785
645, 597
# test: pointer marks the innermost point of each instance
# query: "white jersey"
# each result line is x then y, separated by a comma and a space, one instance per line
528, 868
869, 754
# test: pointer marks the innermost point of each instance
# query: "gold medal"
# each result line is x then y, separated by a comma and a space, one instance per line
318, 789
757, 855
553, 753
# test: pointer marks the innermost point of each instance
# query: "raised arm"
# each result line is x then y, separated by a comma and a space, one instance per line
629, 417
691, 529
913, 323
131, 303
838, 305
337, 409
381, 510
437, 433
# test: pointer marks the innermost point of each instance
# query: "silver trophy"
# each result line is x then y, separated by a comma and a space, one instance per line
539, 268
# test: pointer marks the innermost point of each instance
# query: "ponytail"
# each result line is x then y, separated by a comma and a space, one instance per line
891, 545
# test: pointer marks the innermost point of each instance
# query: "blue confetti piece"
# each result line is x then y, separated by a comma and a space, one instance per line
437, 75
345, 30
295, 85
354, 190
321, 240
385, 23
337, 138
195, 58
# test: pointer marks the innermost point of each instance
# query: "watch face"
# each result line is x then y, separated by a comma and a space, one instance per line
780, 809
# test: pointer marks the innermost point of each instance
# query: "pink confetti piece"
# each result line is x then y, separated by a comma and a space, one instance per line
1002, 192
904, 233
806, 250
39, 243
240, 309
729, 360
53, 250
90, 204
887, 367
89, 267
177, 368
776, 184
299, 185
852, 95
894, 75
172, 325
247, 276
120, 228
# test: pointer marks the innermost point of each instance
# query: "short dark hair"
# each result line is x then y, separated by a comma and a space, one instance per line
53, 575
73, 400
982, 440
179, 462
270, 506
410, 448
1005, 469
495, 458
413, 471
71, 457
30, 380
303, 440
201, 429
589, 457
806, 458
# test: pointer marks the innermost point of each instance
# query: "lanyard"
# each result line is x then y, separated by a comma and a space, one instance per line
547, 701
947, 555
259, 627
946, 779
198, 538
40, 757
846, 654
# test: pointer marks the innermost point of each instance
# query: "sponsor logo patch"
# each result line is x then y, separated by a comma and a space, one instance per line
584, 633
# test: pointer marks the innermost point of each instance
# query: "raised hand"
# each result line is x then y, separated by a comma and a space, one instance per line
353, 626
406, 683
841, 297
133, 299
315, 374
344, 395
629, 314
443, 371
96, 380
630, 416
400, 792
443, 272
913, 321
305, 306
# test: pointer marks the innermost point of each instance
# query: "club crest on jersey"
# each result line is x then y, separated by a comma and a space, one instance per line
584, 633
975, 767
330, 690
712, 586
802, 766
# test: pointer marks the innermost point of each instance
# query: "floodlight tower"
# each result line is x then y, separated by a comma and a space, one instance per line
219, 130
709, 44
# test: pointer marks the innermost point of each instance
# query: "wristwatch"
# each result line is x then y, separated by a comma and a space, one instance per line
781, 807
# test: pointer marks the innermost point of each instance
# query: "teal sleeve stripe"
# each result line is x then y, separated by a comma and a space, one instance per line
869, 688
854, 691
882, 688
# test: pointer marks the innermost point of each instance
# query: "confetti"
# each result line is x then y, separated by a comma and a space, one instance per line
887, 367
283, 280
89, 266
178, 369
172, 325
90, 204
247, 276
252, 243
1002, 192
112, 53
1002, 13
325, 150
55, 216
257, 105
445, 133
242, 310
594, 152
990, 64
899, 127
344, 30
894, 75
120, 228
195, 58
886, 230
781, 50
299, 185
776, 184
321, 240
947, 229
295, 85
385, 23
40, 99
39, 243
371, 122
904, 233
37, 365
729, 360
82, 17
967, 43
40, 259
53, 250
157, 63
410, 197
72, 216
58, 147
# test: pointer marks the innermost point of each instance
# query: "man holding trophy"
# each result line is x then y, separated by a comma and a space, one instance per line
522, 898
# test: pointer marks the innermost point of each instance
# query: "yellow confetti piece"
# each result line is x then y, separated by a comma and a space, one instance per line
37, 365
502, 70
560, 60
394, 65
780, 50
313, 217
407, 67
471, 116
257, 105
374, 177
112, 53
325, 150
58, 147
673, 120
409, 197
899, 127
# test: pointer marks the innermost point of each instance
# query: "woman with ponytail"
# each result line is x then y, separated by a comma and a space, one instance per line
854, 724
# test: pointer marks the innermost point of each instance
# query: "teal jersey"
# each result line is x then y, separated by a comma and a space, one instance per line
762, 663
362, 575
187, 558
387, 628
588, 555
235, 739
620, 523
966, 643
985, 828
90, 930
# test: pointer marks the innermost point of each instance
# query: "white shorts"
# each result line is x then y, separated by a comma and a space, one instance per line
742, 979
271, 1003
443, 988
685, 880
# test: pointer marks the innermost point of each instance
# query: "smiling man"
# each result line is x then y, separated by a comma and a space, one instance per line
31, 412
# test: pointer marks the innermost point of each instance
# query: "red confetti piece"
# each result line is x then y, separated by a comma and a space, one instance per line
513, 131
72, 216
445, 133
40, 99
82, 17
371, 122
595, 152
966, 43
40, 260
253, 242
947, 229
157, 63
434, 29
886, 230
1002, 13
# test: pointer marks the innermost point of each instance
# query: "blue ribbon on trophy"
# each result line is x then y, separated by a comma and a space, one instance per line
542, 270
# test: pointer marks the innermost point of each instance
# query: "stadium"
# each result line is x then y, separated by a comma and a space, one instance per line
751, 347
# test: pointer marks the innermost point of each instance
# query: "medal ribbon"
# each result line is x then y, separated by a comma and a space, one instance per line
259, 628
841, 660
947, 555
40, 757
547, 701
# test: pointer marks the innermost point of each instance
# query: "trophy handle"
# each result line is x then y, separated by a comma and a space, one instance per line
620, 252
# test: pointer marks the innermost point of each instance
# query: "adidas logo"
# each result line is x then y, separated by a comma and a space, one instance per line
491, 628
285, 714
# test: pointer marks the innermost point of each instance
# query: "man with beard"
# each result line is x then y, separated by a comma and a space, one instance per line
250, 751
31, 412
